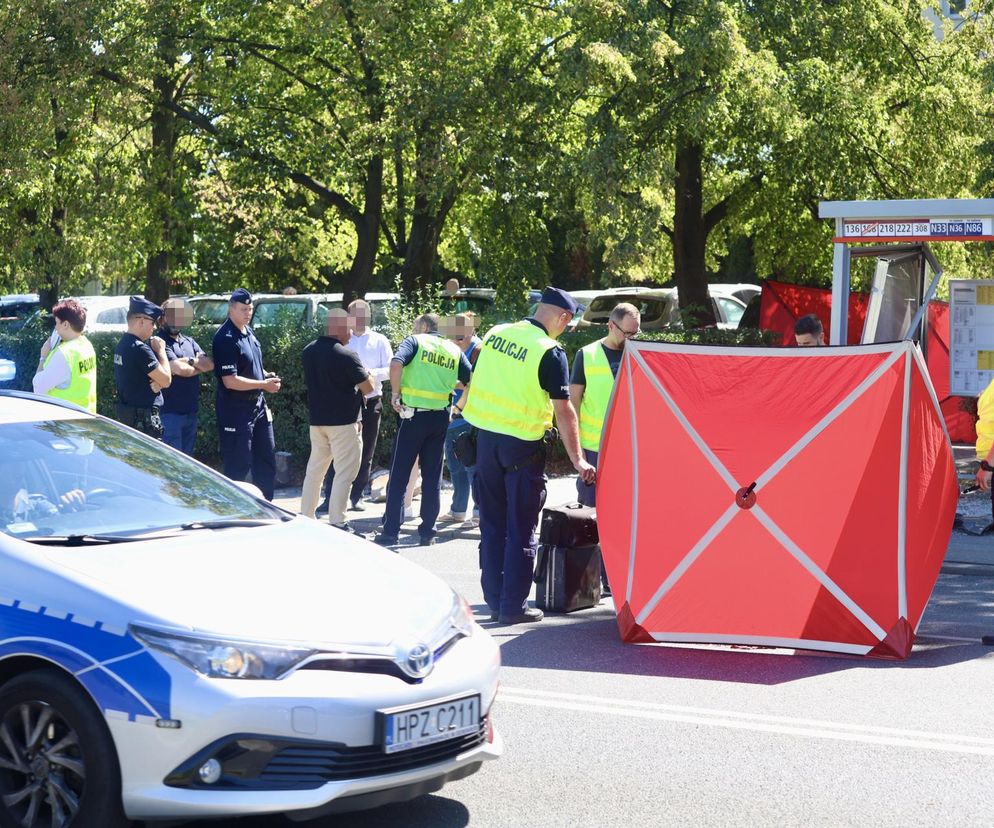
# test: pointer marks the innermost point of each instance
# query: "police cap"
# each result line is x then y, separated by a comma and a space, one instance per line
242, 296
561, 299
140, 306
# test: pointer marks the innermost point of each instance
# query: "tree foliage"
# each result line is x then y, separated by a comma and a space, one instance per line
340, 144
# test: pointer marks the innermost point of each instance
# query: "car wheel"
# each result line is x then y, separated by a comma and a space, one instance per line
58, 764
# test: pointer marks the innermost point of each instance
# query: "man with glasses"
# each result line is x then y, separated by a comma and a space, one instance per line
594, 369
141, 369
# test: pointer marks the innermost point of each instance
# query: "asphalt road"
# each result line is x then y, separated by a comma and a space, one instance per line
600, 732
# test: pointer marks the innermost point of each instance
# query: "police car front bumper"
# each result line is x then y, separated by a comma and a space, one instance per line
256, 729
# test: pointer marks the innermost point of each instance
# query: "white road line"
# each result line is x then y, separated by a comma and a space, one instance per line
758, 722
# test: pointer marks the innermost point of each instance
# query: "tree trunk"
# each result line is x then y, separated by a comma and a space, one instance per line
690, 235
367, 227
421, 254
158, 264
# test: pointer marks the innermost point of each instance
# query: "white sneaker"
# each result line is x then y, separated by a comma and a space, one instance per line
453, 517
473, 521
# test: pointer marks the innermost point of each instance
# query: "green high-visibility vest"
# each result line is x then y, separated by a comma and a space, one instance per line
82, 360
505, 396
430, 378
596, 395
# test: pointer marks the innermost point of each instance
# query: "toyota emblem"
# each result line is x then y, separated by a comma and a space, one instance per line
420, 660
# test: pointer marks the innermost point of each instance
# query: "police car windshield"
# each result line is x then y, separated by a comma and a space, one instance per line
89, 477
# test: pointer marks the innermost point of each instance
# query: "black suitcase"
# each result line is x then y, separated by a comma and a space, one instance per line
568, 567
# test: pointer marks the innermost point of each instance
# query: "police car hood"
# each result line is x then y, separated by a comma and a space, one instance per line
295, 581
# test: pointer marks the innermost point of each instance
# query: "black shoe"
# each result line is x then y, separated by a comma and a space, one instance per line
386, 540
429, 541
526, 616
357, 507
495, 616
348, 527
322, 509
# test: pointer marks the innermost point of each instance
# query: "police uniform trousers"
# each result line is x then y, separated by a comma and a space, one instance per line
509, 484
146, 420
247, 443
421, 437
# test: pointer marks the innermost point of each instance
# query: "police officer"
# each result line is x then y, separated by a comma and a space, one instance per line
423, 374
594, 368
244, 422
187, 361
520, 380
68, 370
141, 369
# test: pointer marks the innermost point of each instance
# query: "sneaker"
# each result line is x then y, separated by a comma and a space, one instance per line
473, 522
453, 517
409, 514
357, 507
526, 616
386, 540
322, 509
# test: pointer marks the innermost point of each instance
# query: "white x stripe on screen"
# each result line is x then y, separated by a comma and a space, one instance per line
733, 485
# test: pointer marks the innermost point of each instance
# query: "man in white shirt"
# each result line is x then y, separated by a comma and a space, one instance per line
375, 354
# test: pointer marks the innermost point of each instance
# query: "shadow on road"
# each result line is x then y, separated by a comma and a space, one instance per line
426, 812
588, 641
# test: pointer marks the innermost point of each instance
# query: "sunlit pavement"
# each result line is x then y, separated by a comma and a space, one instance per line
600, 732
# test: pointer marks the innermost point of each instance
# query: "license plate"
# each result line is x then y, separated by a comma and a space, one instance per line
413, 727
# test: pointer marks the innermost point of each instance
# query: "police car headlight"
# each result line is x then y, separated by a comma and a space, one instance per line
223, 658
461, 617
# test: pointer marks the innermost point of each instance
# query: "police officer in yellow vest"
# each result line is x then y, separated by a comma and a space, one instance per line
594, 369
67, 368
423, 374
520, 380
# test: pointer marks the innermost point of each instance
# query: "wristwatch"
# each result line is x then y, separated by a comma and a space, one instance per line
985, 466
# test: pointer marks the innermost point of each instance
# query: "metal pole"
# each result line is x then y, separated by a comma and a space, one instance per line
841, 263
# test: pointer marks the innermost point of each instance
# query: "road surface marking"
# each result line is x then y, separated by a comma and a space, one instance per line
784, 725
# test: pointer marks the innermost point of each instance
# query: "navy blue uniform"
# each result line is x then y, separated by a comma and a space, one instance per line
244, 424
137, 403
181, 400
509, 484
421, 438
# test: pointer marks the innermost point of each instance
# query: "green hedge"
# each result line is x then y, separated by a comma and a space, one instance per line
281, 347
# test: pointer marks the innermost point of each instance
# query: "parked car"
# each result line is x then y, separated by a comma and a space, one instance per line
743, 291
8, 370
169, 649
16, 309
479, 300
660, 308
304, 309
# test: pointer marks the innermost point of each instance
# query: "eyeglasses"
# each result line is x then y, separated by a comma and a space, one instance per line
624, 333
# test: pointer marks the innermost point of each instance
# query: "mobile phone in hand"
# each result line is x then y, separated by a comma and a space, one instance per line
54, 339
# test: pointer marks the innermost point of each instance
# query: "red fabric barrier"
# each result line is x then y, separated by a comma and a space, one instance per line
756, 497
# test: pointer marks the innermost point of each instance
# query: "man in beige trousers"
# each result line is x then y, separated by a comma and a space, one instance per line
336, 384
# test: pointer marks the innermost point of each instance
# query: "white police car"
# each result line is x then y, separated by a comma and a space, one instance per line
172, 646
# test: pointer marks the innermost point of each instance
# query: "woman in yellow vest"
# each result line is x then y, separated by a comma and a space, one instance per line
594, 369
67, 367
985, 440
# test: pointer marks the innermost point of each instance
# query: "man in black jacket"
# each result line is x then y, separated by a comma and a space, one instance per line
336, 383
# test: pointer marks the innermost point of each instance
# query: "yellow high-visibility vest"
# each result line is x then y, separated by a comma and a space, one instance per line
430, 378
506, 397
596, 395
82, 360
985, 425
